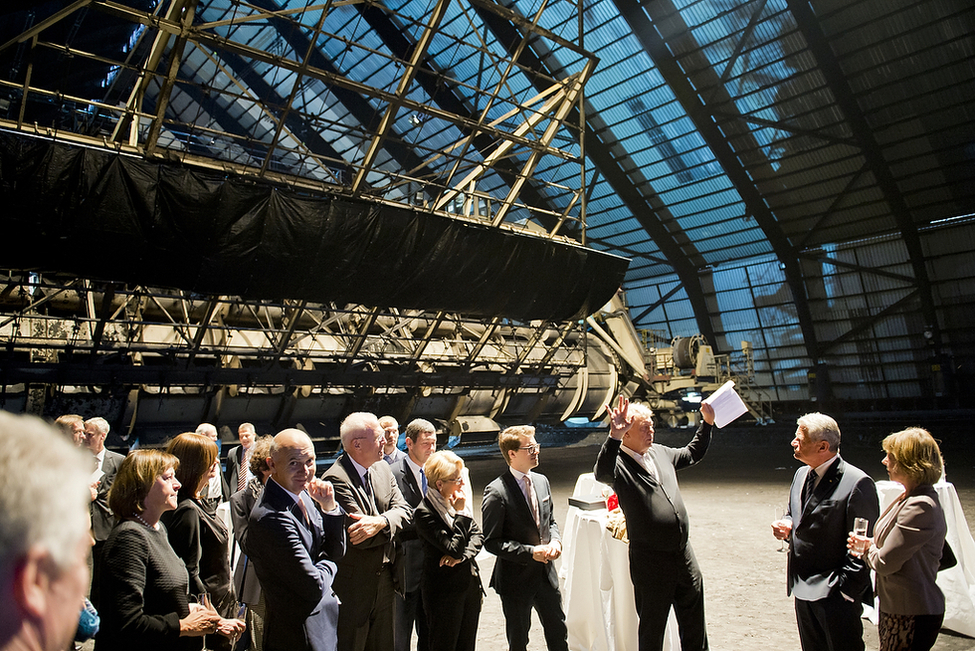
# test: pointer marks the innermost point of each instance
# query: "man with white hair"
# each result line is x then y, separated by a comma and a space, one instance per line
366, 489
218, 491
105, 465
44, 538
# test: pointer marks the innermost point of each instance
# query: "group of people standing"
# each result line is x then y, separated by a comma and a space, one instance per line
828, 564
384, 541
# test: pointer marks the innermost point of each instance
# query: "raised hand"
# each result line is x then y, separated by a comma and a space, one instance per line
620, 420
323, 493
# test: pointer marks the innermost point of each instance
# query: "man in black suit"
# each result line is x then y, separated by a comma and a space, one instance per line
238, 472
294, 547
827, 494
421, 442
663, 568
520, 529
365, 488
104, 467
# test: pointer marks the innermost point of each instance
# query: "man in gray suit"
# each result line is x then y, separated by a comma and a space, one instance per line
104, 467
827, 494
421, 442
366, 490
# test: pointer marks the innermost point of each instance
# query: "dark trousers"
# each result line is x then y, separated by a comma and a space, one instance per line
95, 596
408, 610
665, 579
452, 618
376, 634
547, 602
830, 624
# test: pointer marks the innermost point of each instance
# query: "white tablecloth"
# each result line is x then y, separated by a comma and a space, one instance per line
600, 612
957, 583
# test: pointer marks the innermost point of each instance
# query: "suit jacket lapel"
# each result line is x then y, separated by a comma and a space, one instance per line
826, 485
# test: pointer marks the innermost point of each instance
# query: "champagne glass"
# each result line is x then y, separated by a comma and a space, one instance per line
859, 530
778, 514
241, 614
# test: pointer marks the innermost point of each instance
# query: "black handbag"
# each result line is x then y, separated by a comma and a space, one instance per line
947, 557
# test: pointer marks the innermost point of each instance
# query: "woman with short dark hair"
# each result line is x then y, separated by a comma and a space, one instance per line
907, 545
145, 590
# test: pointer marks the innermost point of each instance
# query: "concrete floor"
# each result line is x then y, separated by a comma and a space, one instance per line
731, 497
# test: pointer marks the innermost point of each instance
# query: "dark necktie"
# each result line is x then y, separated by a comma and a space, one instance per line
807, 489
423, 482
532, 500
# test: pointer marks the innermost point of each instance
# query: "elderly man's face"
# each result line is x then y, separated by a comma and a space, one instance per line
369, 448
640, 437
65, 590
95, 439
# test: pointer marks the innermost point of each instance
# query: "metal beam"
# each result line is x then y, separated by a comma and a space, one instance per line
644, 209
863, 132
640, 18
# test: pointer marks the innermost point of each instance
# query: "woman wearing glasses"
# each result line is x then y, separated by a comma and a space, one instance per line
450, 585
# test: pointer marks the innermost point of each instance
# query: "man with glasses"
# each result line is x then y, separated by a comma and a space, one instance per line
520, 529
663, 568
377, 512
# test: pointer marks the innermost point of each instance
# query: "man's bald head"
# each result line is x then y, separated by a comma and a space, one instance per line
292, 460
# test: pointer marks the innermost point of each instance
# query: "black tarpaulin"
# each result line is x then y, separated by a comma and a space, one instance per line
102, 215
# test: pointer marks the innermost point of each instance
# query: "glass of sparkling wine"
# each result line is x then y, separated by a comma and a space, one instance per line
859, 529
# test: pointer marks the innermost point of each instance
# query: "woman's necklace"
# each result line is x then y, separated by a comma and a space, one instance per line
154, 527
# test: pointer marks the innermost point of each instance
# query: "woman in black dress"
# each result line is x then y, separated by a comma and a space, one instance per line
450, 585
145, 604
197, 536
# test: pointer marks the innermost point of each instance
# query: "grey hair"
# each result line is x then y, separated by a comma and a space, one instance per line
206, 429
355, 426
100, 424
640, 409
417, 427
820, 427
44, 492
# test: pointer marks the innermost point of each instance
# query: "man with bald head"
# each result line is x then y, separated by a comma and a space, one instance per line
295, 535
366, 489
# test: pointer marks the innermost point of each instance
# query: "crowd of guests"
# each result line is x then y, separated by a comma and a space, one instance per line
384, 542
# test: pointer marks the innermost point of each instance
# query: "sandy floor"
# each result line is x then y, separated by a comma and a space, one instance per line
731, 498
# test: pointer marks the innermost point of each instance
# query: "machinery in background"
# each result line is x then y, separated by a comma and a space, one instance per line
673, 376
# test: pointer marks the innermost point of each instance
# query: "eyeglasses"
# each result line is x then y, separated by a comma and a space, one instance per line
456, 480
532, 449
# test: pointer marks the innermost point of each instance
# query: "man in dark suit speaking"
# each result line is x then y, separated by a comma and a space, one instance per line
663, 568
520, 529
294, 548
827, 494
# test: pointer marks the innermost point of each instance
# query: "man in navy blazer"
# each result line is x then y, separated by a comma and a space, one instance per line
827, 494
663, 568
367, 575
421, 442
520, 529
293, 547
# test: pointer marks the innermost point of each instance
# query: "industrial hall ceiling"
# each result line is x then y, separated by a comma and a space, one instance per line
282, 211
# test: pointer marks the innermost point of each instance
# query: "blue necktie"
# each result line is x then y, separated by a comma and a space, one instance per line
423, 482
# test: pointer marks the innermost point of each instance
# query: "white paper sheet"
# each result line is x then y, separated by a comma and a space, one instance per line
727, 404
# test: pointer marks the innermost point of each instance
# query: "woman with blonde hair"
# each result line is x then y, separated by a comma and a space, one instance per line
197, 536
908, 542
450, 585
145, 604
